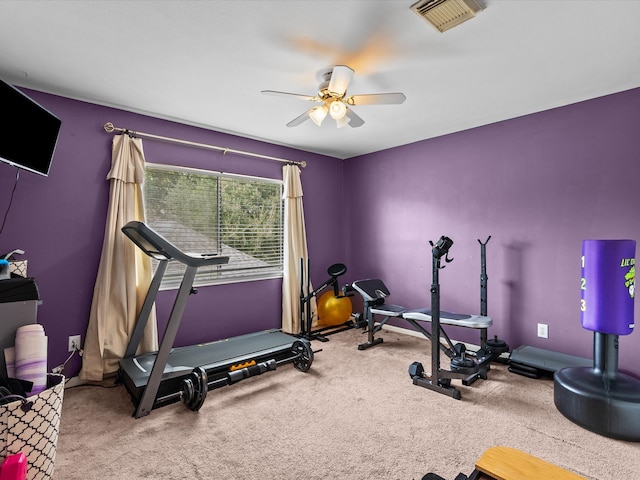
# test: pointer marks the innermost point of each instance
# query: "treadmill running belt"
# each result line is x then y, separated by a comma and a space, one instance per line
213, 356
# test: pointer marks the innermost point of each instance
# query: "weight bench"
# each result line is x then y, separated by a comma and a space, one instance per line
374, 292
462, 367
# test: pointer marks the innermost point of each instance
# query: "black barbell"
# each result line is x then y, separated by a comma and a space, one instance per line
195, 387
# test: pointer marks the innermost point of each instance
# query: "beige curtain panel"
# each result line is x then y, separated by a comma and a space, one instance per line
124, 272
295, 248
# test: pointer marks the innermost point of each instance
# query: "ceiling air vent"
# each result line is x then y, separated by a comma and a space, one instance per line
446, 14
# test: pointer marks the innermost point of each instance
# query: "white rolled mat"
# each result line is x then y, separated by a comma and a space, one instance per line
31, 356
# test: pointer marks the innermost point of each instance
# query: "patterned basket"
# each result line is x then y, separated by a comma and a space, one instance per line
18, 267
31, 426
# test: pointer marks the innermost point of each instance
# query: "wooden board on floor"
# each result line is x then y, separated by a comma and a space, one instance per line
504, 463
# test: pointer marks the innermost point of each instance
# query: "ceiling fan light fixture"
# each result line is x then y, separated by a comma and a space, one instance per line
317, 114
337, 109
332, 99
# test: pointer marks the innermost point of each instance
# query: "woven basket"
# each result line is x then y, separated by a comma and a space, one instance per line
31, 426
18, 267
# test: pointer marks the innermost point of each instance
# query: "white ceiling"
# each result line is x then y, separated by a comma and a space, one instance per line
205, 62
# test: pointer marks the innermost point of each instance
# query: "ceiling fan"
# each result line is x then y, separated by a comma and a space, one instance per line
333, 100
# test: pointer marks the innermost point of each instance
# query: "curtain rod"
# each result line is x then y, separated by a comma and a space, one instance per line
109, 128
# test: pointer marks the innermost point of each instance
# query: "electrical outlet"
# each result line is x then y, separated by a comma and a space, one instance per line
74, 343
543, 330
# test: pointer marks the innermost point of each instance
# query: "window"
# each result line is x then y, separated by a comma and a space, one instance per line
210, 212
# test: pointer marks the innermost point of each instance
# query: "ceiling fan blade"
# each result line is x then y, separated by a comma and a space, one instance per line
354, 120
377, 99
300, 119
339, 81
309, 98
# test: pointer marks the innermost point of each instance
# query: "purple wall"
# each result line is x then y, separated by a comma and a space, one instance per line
59, 222
538, 184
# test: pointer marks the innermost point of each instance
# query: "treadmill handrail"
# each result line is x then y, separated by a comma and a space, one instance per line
158, 247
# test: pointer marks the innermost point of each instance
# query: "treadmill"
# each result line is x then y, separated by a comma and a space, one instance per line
161, 378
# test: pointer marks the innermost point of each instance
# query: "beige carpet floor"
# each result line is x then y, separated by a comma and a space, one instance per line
354, 415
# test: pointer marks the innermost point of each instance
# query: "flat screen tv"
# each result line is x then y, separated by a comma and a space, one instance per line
28, 131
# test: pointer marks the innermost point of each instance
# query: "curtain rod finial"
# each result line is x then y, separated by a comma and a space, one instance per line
108, 127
